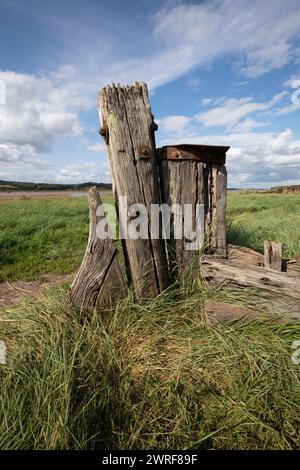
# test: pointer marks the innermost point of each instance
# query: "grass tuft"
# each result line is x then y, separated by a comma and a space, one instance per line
153, 376
255, 217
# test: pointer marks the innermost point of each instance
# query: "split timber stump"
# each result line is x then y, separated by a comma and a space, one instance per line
128, 129
195, 174
100, 281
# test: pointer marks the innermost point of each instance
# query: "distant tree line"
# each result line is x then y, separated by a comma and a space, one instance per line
24, 186
286, 189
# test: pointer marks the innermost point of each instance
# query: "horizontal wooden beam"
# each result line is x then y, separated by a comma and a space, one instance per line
200, 153
272, 291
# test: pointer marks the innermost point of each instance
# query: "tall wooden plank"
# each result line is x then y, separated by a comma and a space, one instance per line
170, 184
218, 190
182, 183
126, 112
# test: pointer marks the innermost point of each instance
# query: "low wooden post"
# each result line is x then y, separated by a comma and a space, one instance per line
273, 255
127, 126
100, 281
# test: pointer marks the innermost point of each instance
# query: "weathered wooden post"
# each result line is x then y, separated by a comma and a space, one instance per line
143, 178
273, 255
195, 174
127, 126
100, 281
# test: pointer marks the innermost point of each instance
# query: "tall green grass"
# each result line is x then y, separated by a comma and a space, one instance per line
42, 235
255, 217
155, 376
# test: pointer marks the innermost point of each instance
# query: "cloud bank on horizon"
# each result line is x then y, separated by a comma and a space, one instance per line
219, 72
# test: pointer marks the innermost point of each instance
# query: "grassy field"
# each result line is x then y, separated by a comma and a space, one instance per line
49, 235
255, 217
155, 376
42, 235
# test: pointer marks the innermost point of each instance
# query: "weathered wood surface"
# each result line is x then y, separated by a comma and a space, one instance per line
216, 311
274, 292
293, 267
100, 281
181, 183
127, 114
217, 187
202, 153
192, 182
273, 255
244, 256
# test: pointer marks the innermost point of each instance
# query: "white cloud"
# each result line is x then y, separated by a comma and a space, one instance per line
2, 93
37, 112
249, 124
207, 101
194, 83
173, 124
98, 147
64, 72
17, 166
8, 153
263, 35
83, 172
177, 38
258, 159
255, 159
231, 111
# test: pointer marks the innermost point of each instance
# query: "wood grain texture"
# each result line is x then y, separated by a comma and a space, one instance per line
218, 198
127, 114
100, 281
274, 292
244, 256
293, 267
191, 182
216, 311
181, 182
273, 255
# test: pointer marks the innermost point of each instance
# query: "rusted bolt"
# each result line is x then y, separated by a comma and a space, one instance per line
144, 151
154, 126
104, 132
176, 154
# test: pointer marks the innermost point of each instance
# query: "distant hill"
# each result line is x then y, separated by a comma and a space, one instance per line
24, 186
286, 189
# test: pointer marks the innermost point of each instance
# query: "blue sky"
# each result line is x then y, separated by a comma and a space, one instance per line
219, 72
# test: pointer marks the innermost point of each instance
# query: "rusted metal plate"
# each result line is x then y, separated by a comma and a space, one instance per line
202, 153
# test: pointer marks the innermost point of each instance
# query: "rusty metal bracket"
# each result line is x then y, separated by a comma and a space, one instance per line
103, 131
200, 153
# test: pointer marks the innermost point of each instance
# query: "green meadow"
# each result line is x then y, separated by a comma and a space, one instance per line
255, 217
153, 376
49, 235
